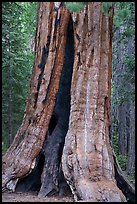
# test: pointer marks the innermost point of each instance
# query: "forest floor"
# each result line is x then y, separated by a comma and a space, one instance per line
32, 197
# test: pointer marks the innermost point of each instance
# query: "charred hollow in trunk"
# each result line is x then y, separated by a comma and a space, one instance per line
47, 177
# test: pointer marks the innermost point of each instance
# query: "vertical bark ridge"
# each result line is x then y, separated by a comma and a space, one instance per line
107, 163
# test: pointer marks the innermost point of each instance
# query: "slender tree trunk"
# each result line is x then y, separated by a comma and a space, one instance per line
122, 128
131, 142
122, 107
130, 169
9, 93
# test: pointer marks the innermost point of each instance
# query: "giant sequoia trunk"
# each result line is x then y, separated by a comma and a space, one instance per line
87, 156
68, 102
49, 57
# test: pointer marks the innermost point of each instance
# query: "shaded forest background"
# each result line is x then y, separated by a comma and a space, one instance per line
18, 36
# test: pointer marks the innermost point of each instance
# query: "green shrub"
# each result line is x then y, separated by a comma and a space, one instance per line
122, 160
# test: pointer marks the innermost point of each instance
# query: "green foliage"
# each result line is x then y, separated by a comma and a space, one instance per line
106, 8
115, 142
4, 146
18, 29
124, 39
124, 14
122, 160
131, 178
78, 6
75, 6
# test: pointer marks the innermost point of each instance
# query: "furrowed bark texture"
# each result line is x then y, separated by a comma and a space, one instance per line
87, 159
52, 178
48, 63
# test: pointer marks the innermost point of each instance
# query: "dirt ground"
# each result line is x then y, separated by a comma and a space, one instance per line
32, 197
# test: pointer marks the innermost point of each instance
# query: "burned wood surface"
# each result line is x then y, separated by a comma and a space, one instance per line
52, 181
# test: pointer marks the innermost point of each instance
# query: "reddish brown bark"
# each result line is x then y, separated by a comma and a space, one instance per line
87, 160
87, 156
30, 137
